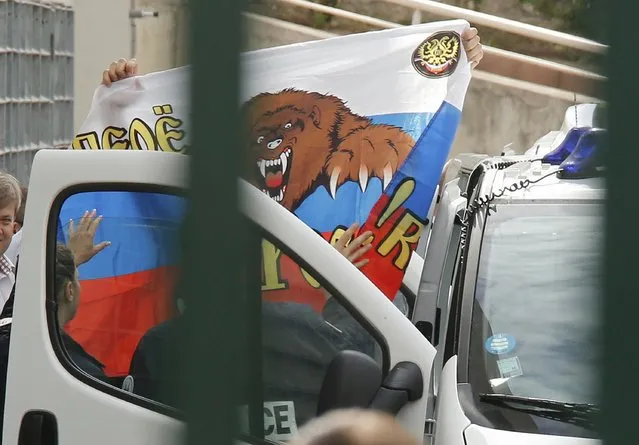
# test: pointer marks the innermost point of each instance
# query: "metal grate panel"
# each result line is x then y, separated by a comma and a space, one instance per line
36, 81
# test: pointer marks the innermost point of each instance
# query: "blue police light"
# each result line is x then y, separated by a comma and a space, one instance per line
586, 160
559, 154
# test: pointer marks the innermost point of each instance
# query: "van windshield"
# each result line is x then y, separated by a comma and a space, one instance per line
535, 322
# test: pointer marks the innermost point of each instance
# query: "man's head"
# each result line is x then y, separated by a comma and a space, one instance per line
67, 284
10, 201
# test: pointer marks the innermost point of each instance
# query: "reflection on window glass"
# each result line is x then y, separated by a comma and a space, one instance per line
535, 329
303, 329
125, 247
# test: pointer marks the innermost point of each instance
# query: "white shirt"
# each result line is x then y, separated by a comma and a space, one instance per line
14, 248
7, 279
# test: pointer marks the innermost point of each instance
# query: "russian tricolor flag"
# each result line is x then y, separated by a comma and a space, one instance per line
398, 217
128, 287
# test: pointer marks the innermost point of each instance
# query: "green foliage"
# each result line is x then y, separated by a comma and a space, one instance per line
582, 17
321, 20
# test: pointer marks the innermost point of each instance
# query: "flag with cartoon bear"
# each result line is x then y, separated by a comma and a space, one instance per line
344, 130
355, 129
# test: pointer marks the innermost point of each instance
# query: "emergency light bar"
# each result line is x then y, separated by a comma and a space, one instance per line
586, 158
559, 154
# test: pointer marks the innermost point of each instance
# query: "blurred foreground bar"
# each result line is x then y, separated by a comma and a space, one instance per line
214, 241
620, 391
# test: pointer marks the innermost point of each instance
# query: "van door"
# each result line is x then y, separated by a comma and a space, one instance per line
301, 340
433, 293
51, 387
431, 310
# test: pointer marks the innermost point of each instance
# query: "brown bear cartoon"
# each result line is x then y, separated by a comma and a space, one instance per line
300, 140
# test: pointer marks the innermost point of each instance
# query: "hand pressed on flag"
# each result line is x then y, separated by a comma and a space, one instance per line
353, 249
82, 240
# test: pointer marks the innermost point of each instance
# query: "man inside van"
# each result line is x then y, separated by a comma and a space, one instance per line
298, 344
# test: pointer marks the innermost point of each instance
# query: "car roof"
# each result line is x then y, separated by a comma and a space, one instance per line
549, 188
528, 166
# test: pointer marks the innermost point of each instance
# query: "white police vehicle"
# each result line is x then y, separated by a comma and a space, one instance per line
508, 294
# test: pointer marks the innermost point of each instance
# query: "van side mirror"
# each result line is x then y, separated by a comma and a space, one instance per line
405, 383
351, 381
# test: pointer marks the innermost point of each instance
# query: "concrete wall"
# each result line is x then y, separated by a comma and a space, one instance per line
162, 42
102, 34
498, 112
265, 32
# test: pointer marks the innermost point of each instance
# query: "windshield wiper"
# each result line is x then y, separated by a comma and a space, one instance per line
579, 414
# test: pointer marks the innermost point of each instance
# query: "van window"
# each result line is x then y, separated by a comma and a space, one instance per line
303, 329
114, 275
116, 315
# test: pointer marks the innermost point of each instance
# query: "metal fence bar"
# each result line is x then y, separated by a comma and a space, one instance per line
313, 33
455, 12
36, 81
488, 50
529, 60
503, 24
4, 74
342, 13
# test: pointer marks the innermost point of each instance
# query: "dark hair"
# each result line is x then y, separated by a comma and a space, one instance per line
64, 268
23, 202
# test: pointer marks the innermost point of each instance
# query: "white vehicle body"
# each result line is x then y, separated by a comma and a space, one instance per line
436, 307
88, 412
452, 425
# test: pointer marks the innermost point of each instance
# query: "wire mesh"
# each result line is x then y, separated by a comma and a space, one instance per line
36, 81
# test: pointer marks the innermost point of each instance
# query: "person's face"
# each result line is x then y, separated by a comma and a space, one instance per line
7, 226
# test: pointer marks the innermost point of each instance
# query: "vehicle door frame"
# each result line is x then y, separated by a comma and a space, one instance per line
362, 298
39, 376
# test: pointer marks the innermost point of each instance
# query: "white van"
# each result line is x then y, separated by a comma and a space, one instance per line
49, 396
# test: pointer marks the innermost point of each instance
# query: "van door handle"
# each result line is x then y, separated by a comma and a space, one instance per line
38, 428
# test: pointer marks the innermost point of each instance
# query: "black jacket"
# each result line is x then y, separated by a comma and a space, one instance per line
155, 362
5, 337
83, 359
298, 344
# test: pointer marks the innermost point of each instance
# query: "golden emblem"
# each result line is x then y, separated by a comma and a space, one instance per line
438, 55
